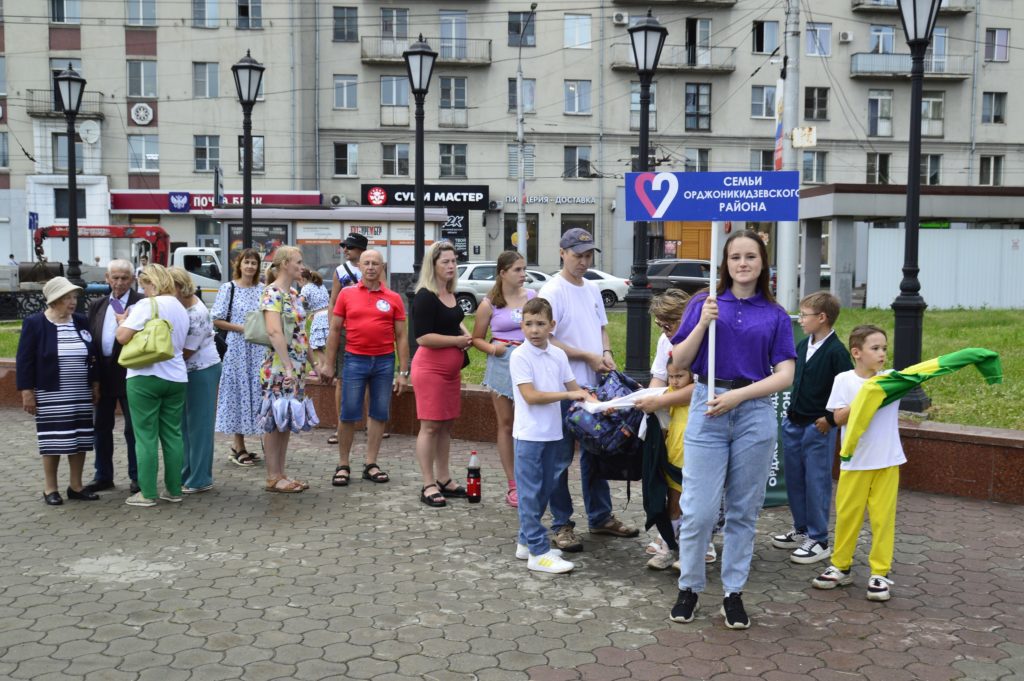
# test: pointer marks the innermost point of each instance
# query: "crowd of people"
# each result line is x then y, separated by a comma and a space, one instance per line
543, 350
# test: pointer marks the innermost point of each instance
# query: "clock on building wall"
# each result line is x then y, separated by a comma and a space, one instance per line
142, 114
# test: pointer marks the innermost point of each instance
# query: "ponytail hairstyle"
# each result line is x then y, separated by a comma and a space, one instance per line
505, 262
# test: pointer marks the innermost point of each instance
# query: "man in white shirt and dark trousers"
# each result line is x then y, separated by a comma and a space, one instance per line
581, 331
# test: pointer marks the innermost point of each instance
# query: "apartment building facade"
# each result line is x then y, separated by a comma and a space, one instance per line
337, 122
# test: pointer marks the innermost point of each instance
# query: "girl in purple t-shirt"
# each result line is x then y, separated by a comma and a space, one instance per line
502, 311
731, 432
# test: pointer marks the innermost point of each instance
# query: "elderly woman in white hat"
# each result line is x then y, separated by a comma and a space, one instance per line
56, 374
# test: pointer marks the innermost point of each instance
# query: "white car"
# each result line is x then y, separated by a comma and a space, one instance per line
613, 289
536, 279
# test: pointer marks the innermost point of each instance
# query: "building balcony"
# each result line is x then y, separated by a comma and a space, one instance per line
46, 104
394, 116
947, 6
453, 118
873, 65
634, 120
679, 3
450, 51
680, 58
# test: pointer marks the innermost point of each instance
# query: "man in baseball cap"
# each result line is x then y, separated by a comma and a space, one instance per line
579, 241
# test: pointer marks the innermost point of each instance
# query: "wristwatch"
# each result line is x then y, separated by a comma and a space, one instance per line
404, 374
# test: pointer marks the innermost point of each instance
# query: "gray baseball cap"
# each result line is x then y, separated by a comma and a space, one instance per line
578, 240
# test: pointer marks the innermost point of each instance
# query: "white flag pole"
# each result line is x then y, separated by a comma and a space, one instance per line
716, 230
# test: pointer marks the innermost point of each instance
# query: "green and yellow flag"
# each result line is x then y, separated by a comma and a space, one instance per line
885, 389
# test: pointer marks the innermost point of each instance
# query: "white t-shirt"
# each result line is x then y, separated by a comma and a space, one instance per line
879, 446
169, 308
579, 318
548, 370
659, 367
200, 338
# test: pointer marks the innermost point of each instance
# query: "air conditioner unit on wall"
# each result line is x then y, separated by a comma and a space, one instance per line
845, 37
620, 19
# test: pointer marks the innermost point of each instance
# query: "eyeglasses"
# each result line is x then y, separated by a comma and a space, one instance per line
809, 314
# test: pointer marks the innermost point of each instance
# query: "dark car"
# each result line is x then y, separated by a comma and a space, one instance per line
687, 275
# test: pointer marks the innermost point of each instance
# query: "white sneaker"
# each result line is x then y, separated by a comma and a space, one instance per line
662, 560
789, 540
550, 563
523, 553
196, 490
878, 588
810, 552
167, 496
138, 500
831, 578
711, 555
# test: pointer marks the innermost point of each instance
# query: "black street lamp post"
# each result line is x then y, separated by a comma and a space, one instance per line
908, 308
648, 37
70, 86
248, 79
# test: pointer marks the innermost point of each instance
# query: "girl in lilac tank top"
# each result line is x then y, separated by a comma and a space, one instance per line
502, 311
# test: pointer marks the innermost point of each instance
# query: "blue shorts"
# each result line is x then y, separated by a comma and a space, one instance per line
360, 371
496, 374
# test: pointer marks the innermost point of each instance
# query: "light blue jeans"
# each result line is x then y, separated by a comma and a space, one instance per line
732, 452
539, 465
597, 496
807, 458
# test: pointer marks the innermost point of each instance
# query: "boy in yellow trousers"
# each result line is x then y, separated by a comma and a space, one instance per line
870, 479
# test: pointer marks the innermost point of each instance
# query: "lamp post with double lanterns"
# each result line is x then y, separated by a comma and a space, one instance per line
908, 308
70, 86
419, 65
648, 38
248, 79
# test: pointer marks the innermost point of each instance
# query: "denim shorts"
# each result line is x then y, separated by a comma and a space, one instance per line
497, 376
360, 371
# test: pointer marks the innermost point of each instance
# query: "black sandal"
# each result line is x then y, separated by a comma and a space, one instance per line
458, 492
341, 476
380, 476
435, 500
242, 458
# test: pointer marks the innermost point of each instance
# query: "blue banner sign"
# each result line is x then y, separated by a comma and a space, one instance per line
754, 196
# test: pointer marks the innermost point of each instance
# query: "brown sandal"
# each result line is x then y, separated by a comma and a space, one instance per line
290, 486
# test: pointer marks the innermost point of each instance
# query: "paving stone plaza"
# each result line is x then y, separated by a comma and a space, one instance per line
365, 582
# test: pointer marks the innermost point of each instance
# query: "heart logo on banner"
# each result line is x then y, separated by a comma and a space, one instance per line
657, 180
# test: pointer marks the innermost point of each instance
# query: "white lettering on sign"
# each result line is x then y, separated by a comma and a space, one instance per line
742, 206
207, 201
742, 181
740, 194
456, 197
557, 200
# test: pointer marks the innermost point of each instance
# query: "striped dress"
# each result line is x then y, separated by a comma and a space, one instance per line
64, 416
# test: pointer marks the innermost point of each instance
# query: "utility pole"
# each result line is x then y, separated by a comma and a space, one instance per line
521, 154
787, 234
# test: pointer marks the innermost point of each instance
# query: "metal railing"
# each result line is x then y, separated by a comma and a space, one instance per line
466, 51
872, 64
46, 103
950, 6
680, 58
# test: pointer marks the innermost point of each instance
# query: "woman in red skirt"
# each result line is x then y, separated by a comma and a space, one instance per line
437, 370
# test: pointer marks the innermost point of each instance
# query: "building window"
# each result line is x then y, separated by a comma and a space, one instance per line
819, 39
814, 166
993, 107
143, 153
60, 153
346, 24
762, 160
577, 162
346, 159
141, 78
394, 91
932, 107
697, 160
453, 160
206, 152
878, 168
259, 159
529, 160
997, 44
142, 12
883, 39
880, 113
766, 36
698, 106
931, 168
5, 154
396, 160
205, 82
66, 11
529, 95
3, 75
453, 92
816, 103
634, 106
991, 171
634, 159
518, 25
60, 203
345, 91
577, 31
394, 23
577, 97
204, 13
762, 101
250, 14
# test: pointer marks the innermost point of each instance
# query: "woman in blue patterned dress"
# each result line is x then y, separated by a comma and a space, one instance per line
315, 298
238, 402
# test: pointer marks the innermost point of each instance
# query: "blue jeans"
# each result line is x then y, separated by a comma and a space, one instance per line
104, 423
360, 371
539, 465
807, 458
731, 452
597, 497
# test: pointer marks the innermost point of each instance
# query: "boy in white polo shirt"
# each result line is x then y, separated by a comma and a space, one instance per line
541, 379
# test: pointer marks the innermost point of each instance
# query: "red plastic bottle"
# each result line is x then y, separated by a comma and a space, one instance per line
473, 479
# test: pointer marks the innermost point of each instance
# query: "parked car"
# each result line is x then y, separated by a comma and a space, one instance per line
686, 275
613, 289
536, 279
475, 280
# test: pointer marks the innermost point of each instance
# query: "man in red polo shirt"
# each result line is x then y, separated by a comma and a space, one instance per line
372, 318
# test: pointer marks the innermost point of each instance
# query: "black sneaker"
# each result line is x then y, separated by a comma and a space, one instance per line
686, 605
732, 610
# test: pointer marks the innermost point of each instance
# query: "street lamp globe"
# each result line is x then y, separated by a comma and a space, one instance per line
70, 86
419, 62
248, 79
648, 37
918, 18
